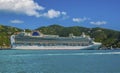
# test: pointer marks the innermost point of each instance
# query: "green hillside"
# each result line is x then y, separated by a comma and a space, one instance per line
5, 33
106, 36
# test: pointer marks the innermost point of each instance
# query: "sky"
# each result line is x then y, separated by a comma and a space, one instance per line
31, 14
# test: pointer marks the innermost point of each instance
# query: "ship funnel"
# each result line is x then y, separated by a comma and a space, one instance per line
24, 30
83, 34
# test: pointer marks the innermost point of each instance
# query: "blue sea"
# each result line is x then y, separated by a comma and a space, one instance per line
59, 61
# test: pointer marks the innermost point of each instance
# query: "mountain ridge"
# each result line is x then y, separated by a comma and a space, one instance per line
107, 37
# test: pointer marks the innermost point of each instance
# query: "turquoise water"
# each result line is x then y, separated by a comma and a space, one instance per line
59, 61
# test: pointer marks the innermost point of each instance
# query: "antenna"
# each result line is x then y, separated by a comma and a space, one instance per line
83, 34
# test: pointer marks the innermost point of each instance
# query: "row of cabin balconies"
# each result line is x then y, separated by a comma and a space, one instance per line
51, 39
37, 41
55, 44
47, 42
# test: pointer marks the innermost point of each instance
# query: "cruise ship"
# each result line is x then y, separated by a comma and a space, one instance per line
37, 40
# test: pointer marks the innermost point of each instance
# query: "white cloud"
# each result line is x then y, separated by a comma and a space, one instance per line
16, 21
78, 20
28, 7
98, 22
63, 13
54, 14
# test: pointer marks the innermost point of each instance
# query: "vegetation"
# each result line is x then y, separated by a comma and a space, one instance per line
5, 33
106, 36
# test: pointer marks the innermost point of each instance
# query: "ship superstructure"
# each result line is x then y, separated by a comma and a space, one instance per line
37, 40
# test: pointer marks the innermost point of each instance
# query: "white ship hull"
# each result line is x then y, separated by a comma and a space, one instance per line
24, 42
96, 46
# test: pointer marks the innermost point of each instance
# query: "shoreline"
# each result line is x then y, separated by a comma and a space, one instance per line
9, 48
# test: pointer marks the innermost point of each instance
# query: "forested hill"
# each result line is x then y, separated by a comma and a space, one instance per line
5, 33
106, 36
